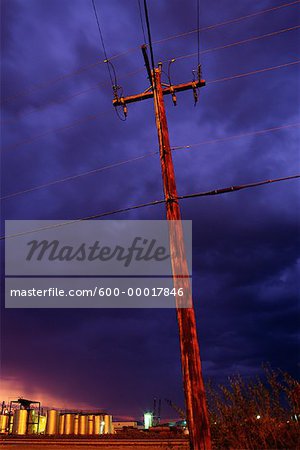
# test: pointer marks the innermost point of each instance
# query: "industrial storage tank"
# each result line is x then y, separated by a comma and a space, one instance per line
97, 424
76, 424
52, 422
42, 425
3, 423
10, 423
61, 426
69, 424
108, 426
90, 429
32, 422
20, 422
82, 429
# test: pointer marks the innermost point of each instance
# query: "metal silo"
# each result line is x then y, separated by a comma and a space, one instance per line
69, 424
97, 424
61, 425
42, 425
32, 427
90, 429
76, 424
108, 427
82, 429
52, 422
20, 422
3, 423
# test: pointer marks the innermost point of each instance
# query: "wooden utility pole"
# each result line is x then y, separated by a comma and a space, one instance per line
196, 408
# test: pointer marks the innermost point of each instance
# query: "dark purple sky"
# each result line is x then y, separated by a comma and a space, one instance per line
245, 243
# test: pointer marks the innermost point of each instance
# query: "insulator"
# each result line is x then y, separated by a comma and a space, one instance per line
195, 93
174, 98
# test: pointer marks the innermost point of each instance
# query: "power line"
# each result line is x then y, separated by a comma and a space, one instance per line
198, 32
243, 41
84, 119
149, 35
83, 68
94, 117
139, 70
238, 136
102, 42
120, 163
69, 97
226, 22
96, 86
81, 219
155, 202
82, 174
254, 72
236, 188
142, 22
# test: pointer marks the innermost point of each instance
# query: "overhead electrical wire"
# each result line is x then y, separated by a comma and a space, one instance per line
254, 72
87, 118
69, 97
155, 202
83, 68
179, 57
142, 22
80, 69
95, 116
81, 219
82, 174
102, 43
120, 163
198, 32
243, 41
238, 136
96, 86
226, 22
236, 188
149, 35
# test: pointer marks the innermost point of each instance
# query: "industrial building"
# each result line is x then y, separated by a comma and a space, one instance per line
25, 417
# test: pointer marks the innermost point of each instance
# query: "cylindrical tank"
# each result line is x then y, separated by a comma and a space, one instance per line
32, 422
108, 428
97, 424
90, 429
3, 423
61, 425
52, 422
42, 425
76, 424
10, 423
82, 429
20, 422
69, 424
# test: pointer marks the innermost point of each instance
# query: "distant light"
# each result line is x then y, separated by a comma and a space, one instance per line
258, 416
148, 420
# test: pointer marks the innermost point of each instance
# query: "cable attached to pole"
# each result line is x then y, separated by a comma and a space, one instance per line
110, 68
102, 42
149, 34
142, 22
155, 202
198, 31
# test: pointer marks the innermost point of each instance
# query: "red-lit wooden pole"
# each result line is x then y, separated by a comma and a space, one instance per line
196, 407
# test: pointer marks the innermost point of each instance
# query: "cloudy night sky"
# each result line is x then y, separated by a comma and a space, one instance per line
58, 121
